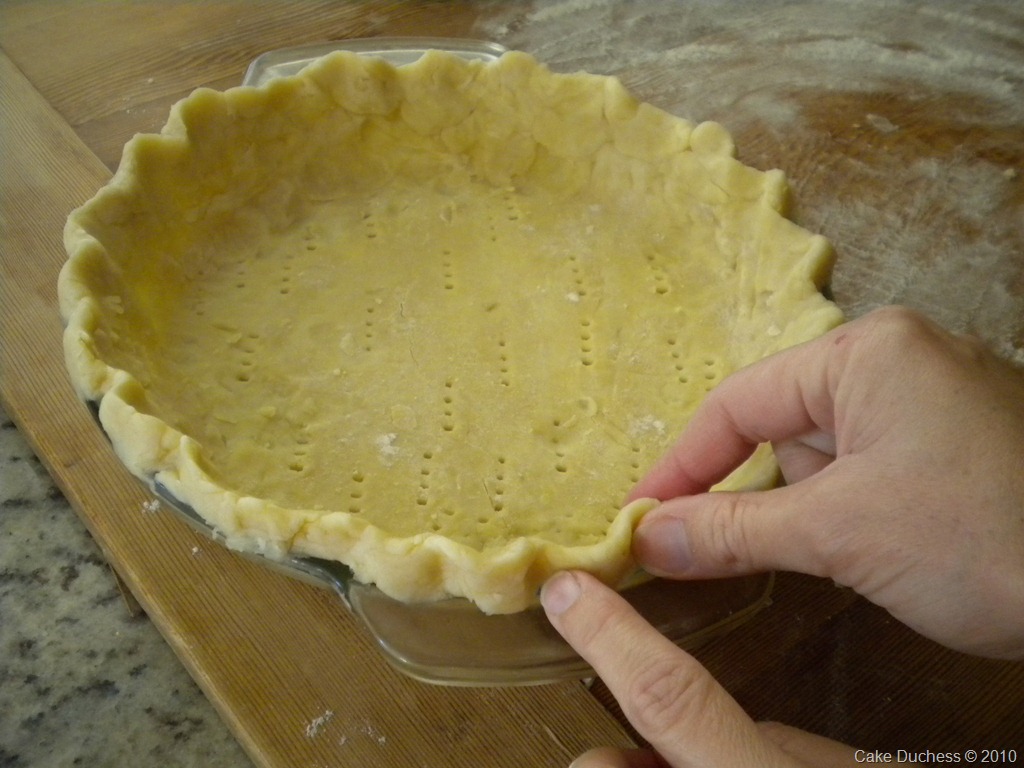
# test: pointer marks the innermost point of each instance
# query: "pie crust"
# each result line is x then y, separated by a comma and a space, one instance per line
431, 321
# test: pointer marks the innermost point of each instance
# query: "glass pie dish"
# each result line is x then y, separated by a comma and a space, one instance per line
451, 640
396, 50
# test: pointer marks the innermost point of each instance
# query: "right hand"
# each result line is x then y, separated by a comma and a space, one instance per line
903, 450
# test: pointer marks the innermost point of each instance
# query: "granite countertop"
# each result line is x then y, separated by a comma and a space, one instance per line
898, 125
82, 680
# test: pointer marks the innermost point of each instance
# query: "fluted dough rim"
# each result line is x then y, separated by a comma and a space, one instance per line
593, 133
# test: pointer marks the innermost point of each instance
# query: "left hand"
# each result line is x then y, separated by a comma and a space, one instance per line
671, 700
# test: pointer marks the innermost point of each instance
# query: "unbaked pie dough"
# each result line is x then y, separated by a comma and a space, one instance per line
431, 321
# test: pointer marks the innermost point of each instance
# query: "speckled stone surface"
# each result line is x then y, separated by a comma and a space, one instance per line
82, 682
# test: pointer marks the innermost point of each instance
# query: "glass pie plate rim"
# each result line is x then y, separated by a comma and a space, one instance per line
396, 50
451, 641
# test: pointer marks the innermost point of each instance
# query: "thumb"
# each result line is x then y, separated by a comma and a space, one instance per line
809, 748
613, 757
719, 534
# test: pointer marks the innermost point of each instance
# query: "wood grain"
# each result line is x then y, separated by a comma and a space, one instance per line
273, 655
916, 177
900, 127
122, 65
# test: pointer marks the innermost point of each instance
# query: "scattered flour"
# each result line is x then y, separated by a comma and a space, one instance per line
935, 224
362, 728
646, 425
386, 444
881, 124
372, 733
710, 47
151, 507
314, 726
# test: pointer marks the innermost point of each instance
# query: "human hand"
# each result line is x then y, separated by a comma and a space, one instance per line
903, 449
672, 701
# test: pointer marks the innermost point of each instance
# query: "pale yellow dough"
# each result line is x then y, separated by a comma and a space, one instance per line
433, 321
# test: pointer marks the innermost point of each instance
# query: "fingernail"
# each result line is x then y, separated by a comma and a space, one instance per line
559, 593
661, 546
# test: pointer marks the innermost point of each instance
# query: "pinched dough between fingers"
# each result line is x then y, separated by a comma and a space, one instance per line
714, 535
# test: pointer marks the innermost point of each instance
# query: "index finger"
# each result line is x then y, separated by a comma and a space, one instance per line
781, 397
670, 699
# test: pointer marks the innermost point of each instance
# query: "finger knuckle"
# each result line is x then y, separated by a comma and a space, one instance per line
897, 329
664, 696
727, 531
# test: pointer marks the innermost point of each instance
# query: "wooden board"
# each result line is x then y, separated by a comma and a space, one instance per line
293, 674
899, 125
